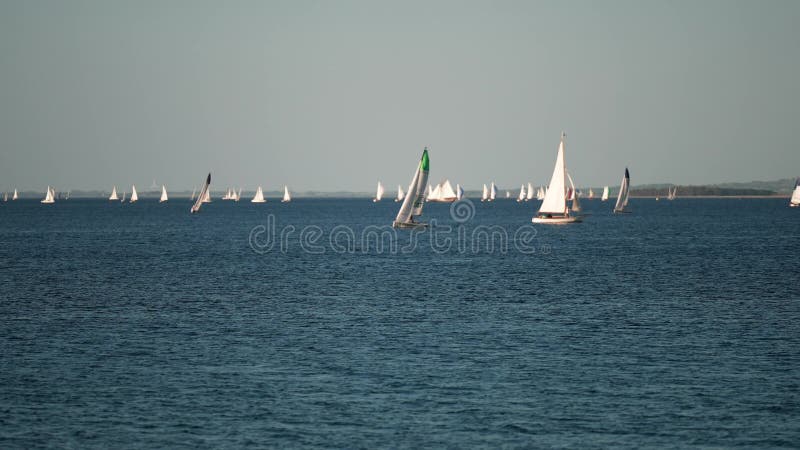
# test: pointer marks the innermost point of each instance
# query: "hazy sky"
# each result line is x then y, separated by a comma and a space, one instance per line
335, 95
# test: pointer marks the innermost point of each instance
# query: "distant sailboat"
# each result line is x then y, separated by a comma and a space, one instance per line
203, 195
134, 195
15, 196
400, 194
378, 193
459, 192
554, 207
576, 204
529, 193
492, 192
622, 197
672, 193
508, 194
286, 196
163, 194
113, 195
124, 195
794, 202
50, 197
604, 197
259, 197
5, 196
591, 194
521, 197
540, 193
238, 195
485, 195
415, 197
443, 192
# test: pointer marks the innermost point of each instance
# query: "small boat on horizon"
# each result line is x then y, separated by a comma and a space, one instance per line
378, 193
259, 197
604, 197
554, 208
286, 196
113, 196
163, 194
134, 195
201, 198
50, 197
794, 202
400, 194
622, 197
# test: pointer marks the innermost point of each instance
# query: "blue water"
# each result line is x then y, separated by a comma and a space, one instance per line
142, 326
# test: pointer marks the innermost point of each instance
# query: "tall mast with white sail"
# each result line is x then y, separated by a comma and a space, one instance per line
415, 197
622, 197
554, 206
203, 195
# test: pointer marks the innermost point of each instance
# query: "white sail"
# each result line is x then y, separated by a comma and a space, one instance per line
286, 196
622, 197
134, 195
50, 197
576, 204
239, 195
672, 193
555, 200
435, 194
795, 200
447, 193
15, 196
113, 194
522, 194
415, 197
604, 197
591, 193
124, 196
459, 192
540, 193
201, 198
529, 193
508, 194
163, 194
259, 197
492, 192
378, 193
485, 195
400, 194
5, 196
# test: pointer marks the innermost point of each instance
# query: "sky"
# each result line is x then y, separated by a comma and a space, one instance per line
336, 95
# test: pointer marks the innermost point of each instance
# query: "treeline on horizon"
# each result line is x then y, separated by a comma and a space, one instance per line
692, 191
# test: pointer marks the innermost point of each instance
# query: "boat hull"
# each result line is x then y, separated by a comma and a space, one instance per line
557, 220
409, 225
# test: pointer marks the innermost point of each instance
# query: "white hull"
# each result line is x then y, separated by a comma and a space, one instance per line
409, 225
557, 220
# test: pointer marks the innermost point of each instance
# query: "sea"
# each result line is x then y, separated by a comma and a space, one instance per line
313, 324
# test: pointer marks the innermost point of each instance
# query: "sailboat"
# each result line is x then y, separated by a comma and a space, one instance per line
485, 195
134, 195
5, 196
113, 195
508, 194
378, 193
794, 202
521, 197
576, 204
50, 197
400, 194
459, 192
604, 197
163, 194
238, 195
554, 207
443, 192
622, 197
591, 194
124, 194
415, 197
492, 192
194, 191
15, 196
205, 195
259, 197
529, 193
201, 198
286, 196
540, 193
673, 192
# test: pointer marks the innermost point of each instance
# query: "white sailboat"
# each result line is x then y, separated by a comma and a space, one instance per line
522, 195
15, 196
576, 204
238, 195
604, 197
134, 195
163, 194
113, 195
672, 193
622, 197
492, 192
443, 192
400, 194
459, 192
50, 197
286, 196
201, 198
554, 207
591, 194
259, 197
529, 193
124, 195
485, 195
540, 193
378, 193
508, 194
794, 202
415, 197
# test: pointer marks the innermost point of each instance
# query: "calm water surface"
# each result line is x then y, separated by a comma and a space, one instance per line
142, 326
